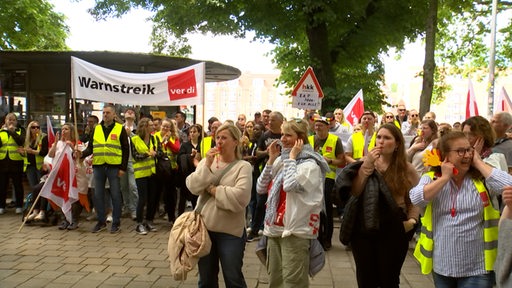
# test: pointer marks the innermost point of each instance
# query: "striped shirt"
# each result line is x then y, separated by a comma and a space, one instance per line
458, 240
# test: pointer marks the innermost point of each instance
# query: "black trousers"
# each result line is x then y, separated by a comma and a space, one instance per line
326, 219
18, 187
379, 255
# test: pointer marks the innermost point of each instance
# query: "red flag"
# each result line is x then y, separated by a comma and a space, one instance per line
49, 131
355, 108
502, 102
61, 186
471, 107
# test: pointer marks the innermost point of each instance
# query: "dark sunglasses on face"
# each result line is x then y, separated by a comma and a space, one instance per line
35, 127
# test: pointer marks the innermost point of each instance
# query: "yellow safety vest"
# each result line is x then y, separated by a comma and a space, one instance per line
328, 151
206, 145
9, 146
39, 159
425, 247
397, 124
172, 157
358, 144
107, 151
146, 167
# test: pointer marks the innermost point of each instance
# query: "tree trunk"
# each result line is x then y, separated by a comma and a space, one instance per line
321, 62
429, 65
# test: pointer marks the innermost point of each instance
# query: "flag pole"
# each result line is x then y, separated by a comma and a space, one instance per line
74, 104
492, 56
29, 212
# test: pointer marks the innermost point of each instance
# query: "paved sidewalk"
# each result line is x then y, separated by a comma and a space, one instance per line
47, 257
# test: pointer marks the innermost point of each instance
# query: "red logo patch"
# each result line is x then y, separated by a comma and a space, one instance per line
485, 198
113, 136
182, 85
328, 149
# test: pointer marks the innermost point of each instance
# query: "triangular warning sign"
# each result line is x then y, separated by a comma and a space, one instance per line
308, 81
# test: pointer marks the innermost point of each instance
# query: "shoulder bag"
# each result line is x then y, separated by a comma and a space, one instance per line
189, 239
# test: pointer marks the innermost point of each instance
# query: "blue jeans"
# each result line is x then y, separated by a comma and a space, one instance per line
480, 281
33, 176
101, 173
230, 251
129, 189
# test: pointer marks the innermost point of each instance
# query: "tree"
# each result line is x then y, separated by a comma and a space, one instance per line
461, 48
340, 39
31, 24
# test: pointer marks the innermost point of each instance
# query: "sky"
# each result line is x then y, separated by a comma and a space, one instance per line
131, 33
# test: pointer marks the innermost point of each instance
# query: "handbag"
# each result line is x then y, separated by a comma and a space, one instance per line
163, 167
189, 239
162, 164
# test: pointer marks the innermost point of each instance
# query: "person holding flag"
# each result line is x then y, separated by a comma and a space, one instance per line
65, 143
12, 161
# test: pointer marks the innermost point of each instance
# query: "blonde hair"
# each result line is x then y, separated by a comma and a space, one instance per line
299, 126
174, 129
236, 134
28, 134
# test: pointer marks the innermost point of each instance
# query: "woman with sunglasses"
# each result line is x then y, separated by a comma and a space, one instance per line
459, 235
36, 148
410, 127
388, 117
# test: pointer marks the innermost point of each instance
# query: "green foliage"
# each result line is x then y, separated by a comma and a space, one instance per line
340, 39
31, 25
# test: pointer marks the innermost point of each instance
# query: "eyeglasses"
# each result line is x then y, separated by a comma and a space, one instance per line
401, 110
414, 115
389, 117
463, 151
35, 127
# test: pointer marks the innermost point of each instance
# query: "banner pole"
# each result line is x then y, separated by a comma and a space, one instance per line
74, 102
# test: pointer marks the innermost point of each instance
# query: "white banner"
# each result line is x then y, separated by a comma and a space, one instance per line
173, 88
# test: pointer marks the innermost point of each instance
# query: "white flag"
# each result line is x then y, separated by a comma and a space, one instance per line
502, 102
355, 108
471, 107
61, 187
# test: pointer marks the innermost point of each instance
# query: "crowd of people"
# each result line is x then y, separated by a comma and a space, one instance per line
290, 178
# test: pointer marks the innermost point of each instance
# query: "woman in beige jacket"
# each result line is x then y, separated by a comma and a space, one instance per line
224, 209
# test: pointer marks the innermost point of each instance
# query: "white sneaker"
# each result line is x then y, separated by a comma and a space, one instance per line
2, 211
39, 216
109, 218
19, 210
31, 216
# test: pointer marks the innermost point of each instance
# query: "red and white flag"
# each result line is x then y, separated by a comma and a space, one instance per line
502, 102
61, 186
355, 108
471, 107
49, 131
